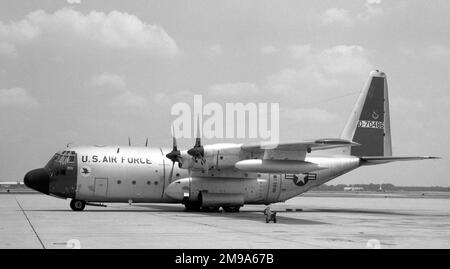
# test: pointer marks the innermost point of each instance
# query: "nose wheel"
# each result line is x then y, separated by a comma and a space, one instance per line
77, 205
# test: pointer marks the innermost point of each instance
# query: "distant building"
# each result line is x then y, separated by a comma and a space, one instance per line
353, 188
6, 185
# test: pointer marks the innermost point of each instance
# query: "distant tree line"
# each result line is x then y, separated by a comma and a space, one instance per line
384, 187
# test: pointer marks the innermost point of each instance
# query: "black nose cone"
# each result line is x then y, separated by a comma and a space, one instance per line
38, 179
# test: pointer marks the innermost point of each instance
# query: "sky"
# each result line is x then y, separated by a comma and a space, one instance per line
98, 72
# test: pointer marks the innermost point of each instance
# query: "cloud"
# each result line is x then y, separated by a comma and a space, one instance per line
115, 30
234, 89
344, 17
436, 52
300, 52
167, 98
16, 97
266, 50
108, 80
74, 1
344, 59
320, 69
431, 52
373, 8
8, 49
215, 49
129, 100
309, 114
336, 15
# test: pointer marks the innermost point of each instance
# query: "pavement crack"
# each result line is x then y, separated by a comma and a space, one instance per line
29, 222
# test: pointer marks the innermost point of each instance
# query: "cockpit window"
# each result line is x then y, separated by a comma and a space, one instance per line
71, 159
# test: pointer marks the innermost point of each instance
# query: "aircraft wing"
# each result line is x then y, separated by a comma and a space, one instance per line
372, 160
295, 150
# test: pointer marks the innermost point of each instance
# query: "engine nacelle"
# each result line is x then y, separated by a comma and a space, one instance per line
216, 156
212, 191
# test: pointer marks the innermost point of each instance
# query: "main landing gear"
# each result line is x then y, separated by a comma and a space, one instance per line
231, 209
196, 206
77, 205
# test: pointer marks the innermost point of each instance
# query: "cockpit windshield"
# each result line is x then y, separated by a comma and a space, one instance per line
62, 158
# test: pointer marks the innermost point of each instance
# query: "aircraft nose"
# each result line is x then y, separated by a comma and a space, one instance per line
38, 179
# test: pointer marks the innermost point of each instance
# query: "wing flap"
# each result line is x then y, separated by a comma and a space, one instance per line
325, 143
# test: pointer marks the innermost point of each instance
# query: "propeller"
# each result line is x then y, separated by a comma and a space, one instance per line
146, 142
129, 141
198, 152
174, 155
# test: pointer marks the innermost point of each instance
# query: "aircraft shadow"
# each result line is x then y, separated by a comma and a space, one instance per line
251, 215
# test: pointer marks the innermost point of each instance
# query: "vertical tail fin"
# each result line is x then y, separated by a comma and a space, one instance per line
369, 123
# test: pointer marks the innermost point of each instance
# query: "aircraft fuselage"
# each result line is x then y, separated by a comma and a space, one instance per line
142, 175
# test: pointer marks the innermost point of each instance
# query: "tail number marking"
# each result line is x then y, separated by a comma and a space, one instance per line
371, 124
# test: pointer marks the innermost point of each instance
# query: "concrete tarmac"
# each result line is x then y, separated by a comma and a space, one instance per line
325, 221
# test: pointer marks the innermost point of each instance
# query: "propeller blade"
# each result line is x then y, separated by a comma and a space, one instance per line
171, 173
146, 142
198, 136
129, 141
174, 139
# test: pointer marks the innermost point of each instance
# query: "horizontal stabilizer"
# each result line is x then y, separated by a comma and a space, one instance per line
371, 160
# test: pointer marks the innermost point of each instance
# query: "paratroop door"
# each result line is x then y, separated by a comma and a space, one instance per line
101, 186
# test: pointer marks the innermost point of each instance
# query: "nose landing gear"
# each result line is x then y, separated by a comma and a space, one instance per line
77, 205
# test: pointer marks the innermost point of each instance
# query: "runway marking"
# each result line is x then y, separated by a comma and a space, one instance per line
29, 222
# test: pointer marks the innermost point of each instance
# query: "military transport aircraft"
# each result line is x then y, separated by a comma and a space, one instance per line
208, 177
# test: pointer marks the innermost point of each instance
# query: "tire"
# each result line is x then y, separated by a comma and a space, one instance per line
77, 205
211, 208
231, 209
192, 206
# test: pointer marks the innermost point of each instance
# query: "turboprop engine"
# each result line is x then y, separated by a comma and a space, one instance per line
217, 156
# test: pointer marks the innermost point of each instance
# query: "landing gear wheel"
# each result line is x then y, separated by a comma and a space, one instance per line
77, 205
192, 206
211, 208
231, 208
